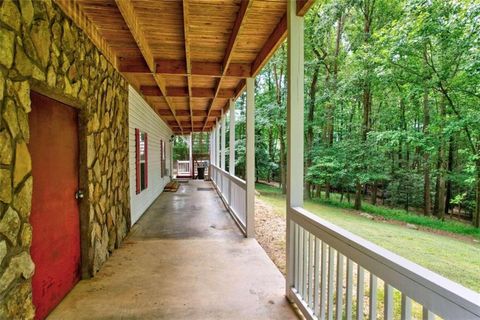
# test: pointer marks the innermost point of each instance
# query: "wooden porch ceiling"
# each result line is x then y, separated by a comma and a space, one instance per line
187, 58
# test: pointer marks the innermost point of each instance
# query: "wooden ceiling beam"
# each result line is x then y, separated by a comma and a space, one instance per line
188, 124
188, 64
199, 68
232, 41
186, 113
178, 67
274, 41
154, 91
128, 13
303, 6
74, 12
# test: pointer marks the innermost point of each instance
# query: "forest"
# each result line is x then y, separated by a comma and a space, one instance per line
392, 107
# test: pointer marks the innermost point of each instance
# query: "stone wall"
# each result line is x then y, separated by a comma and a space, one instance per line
41, 48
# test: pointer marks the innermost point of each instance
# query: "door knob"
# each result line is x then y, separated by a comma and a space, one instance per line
79, 195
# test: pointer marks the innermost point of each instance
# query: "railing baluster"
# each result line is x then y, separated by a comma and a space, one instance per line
319, 278
360, 291
373, 297
297, 257
331, 276
348, 293
316, 282
300, 261
388, 302
305, 263
406, 307
427, 315
311, 265
306, 266
339, 308
323, 291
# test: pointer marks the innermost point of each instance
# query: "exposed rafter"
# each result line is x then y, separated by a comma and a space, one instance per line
237, 27
303, 6
73, 11
194, 92
274, 41
186, 113
187, 56
128, 13
178, 67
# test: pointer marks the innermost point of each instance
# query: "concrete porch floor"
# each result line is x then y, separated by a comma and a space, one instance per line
185, 258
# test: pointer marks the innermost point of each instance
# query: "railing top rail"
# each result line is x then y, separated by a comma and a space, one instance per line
439, 294
241, 183
183, 161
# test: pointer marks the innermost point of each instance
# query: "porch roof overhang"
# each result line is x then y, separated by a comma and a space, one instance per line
188, 58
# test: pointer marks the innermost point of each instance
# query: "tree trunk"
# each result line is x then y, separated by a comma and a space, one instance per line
374, 193
310, 119
440, 197
358, 196
448, 198
271, 152
427, 199
283, 160
476, 217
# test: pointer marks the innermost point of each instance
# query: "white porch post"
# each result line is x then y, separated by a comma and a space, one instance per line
222, 156
211, 147
217, 143
231, 165
250, 169
294, 127
212, 143
192, 169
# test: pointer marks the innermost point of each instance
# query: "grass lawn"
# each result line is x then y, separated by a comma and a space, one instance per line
455, 259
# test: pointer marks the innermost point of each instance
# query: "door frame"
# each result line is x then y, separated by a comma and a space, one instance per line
86, 251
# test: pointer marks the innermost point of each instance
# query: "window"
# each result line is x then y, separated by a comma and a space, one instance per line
141, 159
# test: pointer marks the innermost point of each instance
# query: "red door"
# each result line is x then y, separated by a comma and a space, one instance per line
55, 214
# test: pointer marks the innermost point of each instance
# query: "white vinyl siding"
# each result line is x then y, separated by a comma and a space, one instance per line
142, 116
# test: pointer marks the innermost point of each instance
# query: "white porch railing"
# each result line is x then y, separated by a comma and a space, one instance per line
183, 167
331, 266
233, 192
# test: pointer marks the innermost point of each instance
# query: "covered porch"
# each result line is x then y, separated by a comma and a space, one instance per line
192, 254
185, 258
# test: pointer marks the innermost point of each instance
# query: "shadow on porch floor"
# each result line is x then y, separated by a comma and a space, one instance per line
185, 258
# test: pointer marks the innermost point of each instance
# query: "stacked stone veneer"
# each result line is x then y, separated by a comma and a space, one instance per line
41, 47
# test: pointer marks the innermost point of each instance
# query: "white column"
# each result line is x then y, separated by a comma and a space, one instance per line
295, 109
231, 165
250, 170
212, 146
217, 143
192, 171
223, 128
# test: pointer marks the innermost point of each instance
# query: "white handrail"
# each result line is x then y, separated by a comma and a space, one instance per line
437, 295
233, 192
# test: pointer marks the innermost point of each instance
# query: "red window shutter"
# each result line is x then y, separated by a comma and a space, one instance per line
161, 158
146, 161
137, 160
